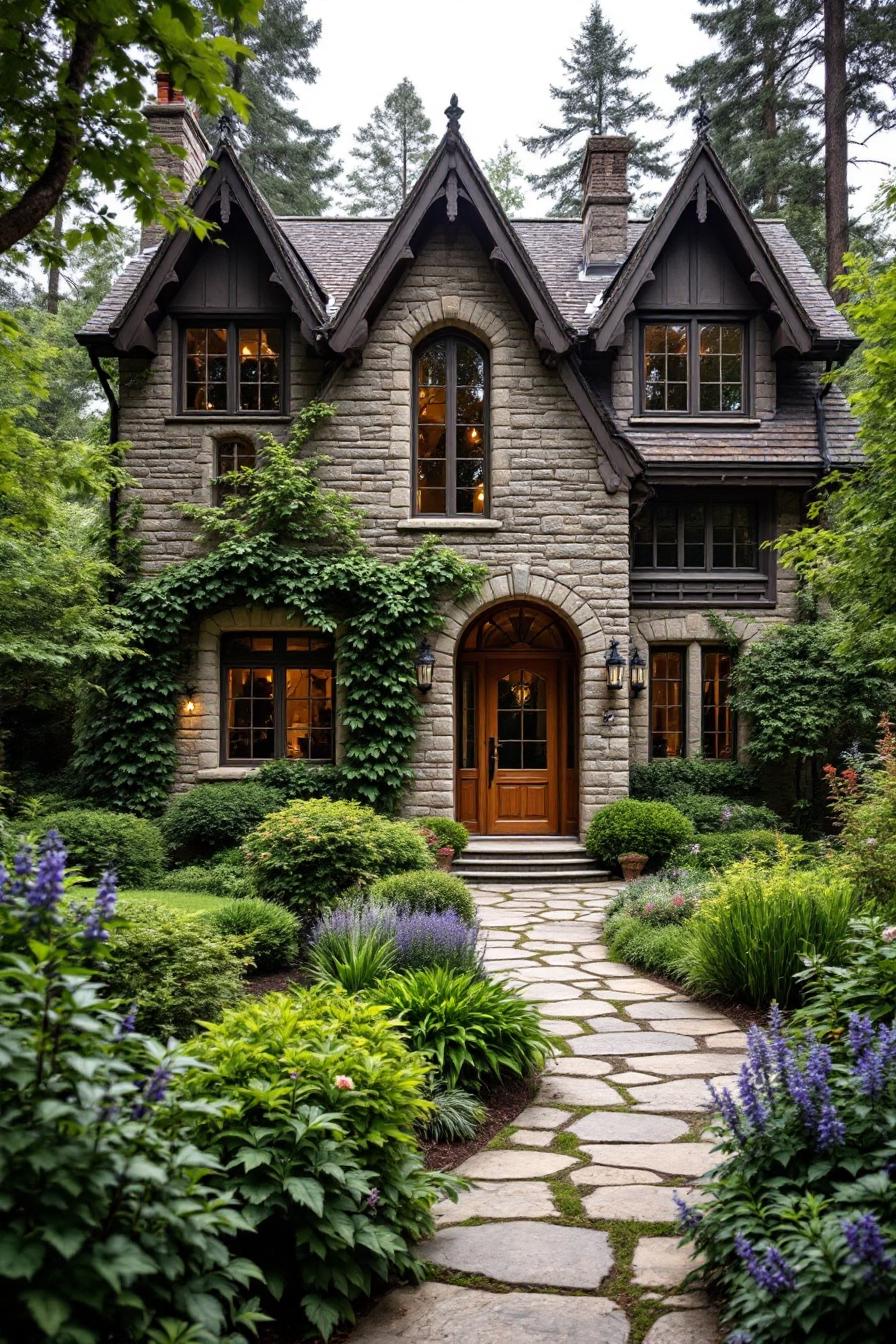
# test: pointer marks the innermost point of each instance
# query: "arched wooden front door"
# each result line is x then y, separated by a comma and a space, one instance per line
516, 739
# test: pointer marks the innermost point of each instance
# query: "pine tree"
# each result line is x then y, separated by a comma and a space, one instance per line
391, 150
505, 175
599, 98
756, 84
288, 158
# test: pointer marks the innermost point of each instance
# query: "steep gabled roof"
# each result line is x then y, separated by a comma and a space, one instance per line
222, 184
703, 179
451, 178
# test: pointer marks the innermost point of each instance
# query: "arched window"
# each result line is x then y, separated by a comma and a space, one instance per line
231, 455
451, 426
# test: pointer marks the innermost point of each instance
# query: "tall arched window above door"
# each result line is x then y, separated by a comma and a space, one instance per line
451, 426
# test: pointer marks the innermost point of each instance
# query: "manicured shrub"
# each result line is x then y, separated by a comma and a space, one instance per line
861, 980
714, 812
449, 833
111, 1229
669, 897
476, 1031
798, 1222
173, 967
193, 877
269, 934
748, 935
97, 840
212, 817
322, 1101
665, 780
628, 826
720, 849
357, 947
308, 853
298, 780
651, 947
427, 892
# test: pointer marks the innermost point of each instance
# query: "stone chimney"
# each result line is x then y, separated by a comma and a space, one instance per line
605, 198
173, 120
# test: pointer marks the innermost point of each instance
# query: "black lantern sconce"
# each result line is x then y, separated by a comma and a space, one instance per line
637, 672
615, 664
423, 666
189, 700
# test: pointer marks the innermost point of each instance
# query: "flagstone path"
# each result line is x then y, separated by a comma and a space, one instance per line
567, 1232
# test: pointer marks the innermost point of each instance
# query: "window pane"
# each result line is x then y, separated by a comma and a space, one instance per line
667, 536
430, 500
676, 396
710, 339
642, 540
721, 367
433, 365
431, 405
431, 472
665, 369
667, 702
709, 396
205, 350
470, 365
470, 405
470, 441
717, 717
677, 339
431, 441
259, 368
694, 539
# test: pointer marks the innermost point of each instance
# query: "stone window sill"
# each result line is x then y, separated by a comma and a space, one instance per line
247, 418
225, 772
697, 421
435, 524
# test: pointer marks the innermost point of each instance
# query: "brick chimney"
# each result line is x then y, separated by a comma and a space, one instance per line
173, 120
605, 198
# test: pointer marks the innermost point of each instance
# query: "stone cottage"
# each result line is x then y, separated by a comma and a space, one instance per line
612, 414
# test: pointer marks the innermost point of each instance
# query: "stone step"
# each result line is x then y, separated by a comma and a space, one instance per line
502, 859
545, 877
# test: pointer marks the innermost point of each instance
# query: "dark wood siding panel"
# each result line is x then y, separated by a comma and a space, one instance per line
697, 269
229, 279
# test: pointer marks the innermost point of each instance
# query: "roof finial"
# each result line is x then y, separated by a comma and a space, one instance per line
454, 112
702, 121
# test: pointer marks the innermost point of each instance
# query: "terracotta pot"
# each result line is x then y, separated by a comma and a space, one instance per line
445, 858
632, 865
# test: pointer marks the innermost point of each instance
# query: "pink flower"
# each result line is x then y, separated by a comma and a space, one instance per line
649, 907
343, 1082
889, 934
678, 901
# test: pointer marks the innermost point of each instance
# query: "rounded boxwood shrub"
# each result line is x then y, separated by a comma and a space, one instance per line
308, 853
714, 812
191, 878
322, 1098
175, 968
428, 891
269, 933
475, 1030
98, 840
629, 826
448, 833
212, 817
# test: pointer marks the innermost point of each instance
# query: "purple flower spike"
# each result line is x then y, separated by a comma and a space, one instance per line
127, 1024
866, 1244
772, 1273
756, 1113
153, 1090
689, 1219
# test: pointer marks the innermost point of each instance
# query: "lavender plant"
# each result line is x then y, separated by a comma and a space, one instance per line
111, 1229
358, 946
798, 1223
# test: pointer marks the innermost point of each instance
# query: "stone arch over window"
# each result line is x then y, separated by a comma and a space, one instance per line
451, 424
231, 453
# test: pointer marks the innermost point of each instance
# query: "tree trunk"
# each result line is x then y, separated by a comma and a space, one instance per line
771, 201
54, 275
836, 192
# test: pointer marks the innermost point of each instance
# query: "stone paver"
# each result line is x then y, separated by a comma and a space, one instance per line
540, 1254
439, 1313
634, 1147
660, 1262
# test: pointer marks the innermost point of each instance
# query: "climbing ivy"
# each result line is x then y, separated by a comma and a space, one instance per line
280, 539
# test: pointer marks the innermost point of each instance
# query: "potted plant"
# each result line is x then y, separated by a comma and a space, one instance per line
632, 865
445, 857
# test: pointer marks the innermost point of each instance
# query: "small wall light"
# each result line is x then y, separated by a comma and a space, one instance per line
615, 664
189, 700
423, 666
637, 672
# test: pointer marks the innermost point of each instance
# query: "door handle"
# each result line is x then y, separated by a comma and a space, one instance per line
492, 759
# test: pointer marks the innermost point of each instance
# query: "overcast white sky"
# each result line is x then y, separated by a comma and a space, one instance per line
499, 57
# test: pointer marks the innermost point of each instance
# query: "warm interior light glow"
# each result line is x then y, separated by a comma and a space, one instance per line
480, 495
473, 435
190, 706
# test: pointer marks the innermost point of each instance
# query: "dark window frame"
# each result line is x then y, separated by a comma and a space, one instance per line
693, 322
232, 326
708, 504
682, 651
710, 649
220, 490
452, 335
279, 659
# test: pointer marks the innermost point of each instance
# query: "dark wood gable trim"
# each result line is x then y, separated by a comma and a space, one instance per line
619, 463
702, 177
451, 175
224, 181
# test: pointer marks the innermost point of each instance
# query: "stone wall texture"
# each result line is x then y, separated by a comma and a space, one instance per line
553, 533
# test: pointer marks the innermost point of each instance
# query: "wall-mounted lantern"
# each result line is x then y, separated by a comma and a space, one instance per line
615, 664
189, 700
423, 666
637, 672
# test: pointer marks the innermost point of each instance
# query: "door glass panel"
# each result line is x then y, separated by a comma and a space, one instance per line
466, 724
522, 721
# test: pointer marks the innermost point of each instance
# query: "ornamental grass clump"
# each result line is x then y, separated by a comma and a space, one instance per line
749, 935
115, 1224
356, 947
321, 1099
798, 1222
475, 1031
